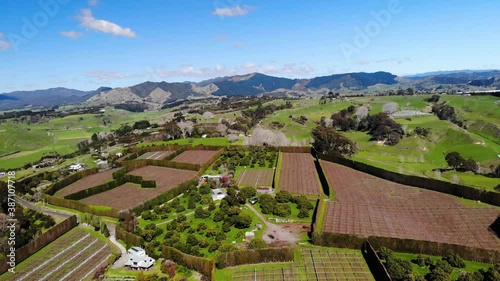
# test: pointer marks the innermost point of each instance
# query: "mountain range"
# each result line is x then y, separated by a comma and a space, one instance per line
155, 94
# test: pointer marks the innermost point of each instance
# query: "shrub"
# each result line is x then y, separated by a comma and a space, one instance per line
455, 260
257, 243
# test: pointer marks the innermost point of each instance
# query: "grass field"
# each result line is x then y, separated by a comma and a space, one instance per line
415, 155
61, 134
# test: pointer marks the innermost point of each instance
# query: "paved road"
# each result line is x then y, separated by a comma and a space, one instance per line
47, 211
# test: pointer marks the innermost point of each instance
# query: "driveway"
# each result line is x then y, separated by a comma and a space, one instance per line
276, 234
124, 256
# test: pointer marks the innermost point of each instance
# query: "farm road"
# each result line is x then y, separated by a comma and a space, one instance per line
28, 205
124, 257
276, 234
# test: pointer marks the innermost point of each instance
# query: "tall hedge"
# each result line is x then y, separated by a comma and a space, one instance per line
69, 180
329, 239
165, 196
468, 192
201, 265
95, 190
41, 241
128, 238
240, 257
376, 266
79, 206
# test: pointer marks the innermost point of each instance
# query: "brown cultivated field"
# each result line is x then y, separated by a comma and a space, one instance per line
195, 156
87, 182
156, 155
298, 174
130, 195
260, 177
370, 206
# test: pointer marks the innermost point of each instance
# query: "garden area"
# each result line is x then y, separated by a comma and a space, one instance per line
194, 224
403, 266
285, 207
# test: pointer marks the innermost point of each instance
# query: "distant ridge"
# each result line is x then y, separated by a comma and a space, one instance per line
155, 94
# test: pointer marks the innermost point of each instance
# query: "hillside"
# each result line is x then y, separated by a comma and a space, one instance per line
155, 94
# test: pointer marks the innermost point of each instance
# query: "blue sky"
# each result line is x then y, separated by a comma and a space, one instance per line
85, 44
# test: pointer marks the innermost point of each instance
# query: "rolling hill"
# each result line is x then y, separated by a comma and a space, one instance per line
155, 94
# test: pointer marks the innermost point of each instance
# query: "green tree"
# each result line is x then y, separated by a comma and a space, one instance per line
243, 221
303, 213
455, 260
454, 160
105, 230
246, 193
283, 196
257, 243
282, 210
327, 140
227, 248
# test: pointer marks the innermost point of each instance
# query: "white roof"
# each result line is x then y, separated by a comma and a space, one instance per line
140, 261
136, 251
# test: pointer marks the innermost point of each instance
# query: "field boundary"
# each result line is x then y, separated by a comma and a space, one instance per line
467, 192
255, 256
202, 265
79, 206
376, 266
330, 239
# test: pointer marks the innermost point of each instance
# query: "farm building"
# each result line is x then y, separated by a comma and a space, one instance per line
249, 236
138, 259
76, 167
264, 190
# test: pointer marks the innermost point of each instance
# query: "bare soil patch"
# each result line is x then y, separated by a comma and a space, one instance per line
371, 206
87, 182
195, 156
298, 174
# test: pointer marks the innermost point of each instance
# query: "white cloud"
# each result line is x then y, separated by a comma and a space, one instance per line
90, 22
190, 72
233, 11
1, 35
239, 45
289, 69
71, 34
107, 76
93, 2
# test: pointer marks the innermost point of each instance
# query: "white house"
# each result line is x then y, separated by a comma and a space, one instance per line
138, 259
76, 167
217, 194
